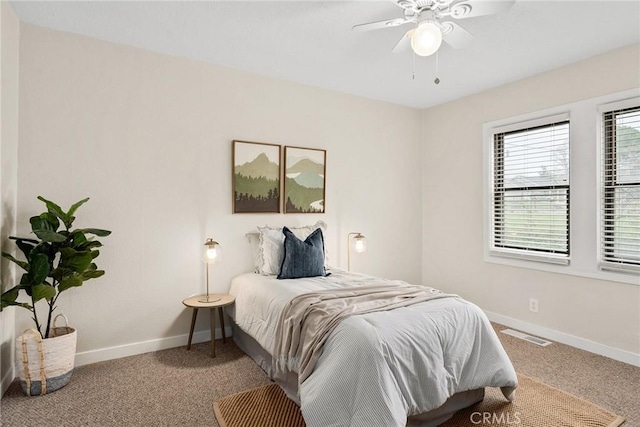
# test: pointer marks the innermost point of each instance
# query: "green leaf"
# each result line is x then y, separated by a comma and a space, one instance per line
69, 282
39, 268
98, 232
60, 272
50, 236
24, 238
10, 296
75, 207
24, 265
53, 220
78, 238
43, 291
75, 260
55, 209
45, 221
38, 223
89, 244
25, 281
47, 249
12, 302
25, 246
27, 306
92, 274
94, 254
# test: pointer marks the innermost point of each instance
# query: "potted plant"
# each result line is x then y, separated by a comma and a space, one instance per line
59, 258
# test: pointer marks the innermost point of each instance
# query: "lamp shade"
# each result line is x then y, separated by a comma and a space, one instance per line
212, 251
426, 39
359, 243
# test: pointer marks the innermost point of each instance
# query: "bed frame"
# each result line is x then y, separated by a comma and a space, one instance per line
290, 386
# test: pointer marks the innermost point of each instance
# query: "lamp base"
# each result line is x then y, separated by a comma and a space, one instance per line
208, 298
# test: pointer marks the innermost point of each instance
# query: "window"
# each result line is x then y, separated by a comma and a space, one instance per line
620, 207
561, 189
531, 192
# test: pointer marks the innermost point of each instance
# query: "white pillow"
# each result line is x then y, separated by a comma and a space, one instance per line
271, 246
254, 243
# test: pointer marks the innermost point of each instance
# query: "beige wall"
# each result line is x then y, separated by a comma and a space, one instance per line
594, 310
9, 31
148, 138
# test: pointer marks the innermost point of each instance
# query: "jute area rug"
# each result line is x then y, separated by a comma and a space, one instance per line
536, 405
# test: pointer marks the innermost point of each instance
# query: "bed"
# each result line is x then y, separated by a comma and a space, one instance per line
413, 365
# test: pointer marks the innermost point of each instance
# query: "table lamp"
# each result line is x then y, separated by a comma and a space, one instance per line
211, 255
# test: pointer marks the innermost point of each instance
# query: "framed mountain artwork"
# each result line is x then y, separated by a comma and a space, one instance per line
304, 179
256, 177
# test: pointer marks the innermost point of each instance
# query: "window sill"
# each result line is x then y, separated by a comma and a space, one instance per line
567, 268
530, 256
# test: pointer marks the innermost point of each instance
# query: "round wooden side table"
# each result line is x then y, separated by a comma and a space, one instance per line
217, 301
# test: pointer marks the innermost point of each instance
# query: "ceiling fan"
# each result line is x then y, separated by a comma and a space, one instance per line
430, 29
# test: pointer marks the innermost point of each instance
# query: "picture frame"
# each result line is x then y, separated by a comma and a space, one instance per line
256, 172
304, 180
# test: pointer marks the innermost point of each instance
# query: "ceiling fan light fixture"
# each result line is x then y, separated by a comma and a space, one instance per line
426, 39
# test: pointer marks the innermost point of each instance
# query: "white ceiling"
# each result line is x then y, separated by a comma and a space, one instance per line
311, 42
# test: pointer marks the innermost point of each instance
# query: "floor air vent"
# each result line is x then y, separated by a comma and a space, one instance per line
530, 338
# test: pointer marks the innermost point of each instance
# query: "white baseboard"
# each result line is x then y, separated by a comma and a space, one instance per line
132, 349
7, 379
564, 338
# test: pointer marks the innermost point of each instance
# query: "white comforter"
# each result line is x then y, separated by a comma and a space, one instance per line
376, 369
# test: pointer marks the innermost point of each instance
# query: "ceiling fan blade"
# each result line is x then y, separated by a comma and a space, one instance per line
470, 9
404, 45
455, 36
380, 24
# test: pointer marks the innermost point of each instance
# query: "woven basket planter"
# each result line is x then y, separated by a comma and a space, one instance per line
45, 365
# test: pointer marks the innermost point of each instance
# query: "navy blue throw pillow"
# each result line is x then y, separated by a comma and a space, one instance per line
302, 259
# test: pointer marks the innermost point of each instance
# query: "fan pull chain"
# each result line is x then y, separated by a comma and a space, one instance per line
437, 80
413, 66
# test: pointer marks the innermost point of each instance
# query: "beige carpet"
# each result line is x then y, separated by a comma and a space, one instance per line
536, 405
176, 387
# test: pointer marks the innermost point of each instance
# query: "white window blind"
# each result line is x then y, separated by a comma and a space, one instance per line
531, 192
620, 205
